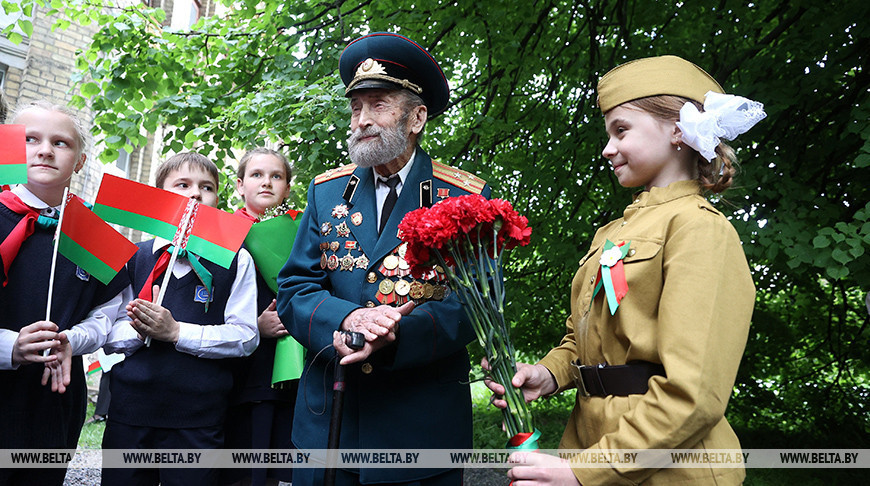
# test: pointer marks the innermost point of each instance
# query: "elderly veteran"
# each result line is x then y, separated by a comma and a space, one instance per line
407, 387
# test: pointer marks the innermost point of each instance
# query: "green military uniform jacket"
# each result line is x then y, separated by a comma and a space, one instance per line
688, 306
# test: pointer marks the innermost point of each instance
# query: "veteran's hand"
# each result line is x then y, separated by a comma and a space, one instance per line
32, 340
535, 381
58, 371
150, 319
376, 322
269, 323
350, 355
534, 468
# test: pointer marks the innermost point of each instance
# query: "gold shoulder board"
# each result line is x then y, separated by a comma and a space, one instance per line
335, 173
458, 177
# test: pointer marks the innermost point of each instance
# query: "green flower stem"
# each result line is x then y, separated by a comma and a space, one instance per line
476, 280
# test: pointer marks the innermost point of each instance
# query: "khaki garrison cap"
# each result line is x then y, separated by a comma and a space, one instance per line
652, 76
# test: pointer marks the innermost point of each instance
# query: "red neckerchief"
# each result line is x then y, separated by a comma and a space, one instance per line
10, 246
243, 212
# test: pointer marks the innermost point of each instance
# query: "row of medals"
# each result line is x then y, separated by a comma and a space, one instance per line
431, 287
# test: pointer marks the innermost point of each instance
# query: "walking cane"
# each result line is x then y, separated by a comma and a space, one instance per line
354, 340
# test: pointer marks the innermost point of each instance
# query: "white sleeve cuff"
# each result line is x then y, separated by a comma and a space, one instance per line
7, 341
189, 338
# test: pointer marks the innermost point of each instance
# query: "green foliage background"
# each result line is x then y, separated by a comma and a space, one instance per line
524, 117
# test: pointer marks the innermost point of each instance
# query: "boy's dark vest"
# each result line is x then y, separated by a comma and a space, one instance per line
158, 386
31, 415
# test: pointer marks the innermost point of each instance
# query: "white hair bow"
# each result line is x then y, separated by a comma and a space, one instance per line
724, 116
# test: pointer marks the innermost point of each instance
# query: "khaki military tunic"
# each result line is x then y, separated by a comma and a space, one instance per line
689, 303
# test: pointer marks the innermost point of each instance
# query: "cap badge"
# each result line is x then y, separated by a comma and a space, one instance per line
370, 66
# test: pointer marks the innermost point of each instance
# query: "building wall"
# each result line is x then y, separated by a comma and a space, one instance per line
49, 62
40, 69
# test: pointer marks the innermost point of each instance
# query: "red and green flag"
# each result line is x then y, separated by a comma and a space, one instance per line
216, 235
91, 243
139, 206
13, 155
94, 367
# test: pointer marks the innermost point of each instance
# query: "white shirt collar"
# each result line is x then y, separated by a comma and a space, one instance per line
159, 244
403, 173
29, 198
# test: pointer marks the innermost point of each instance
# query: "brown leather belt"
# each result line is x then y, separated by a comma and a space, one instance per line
622, 380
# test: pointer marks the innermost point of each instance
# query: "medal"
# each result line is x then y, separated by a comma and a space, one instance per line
356, 218
402, 287
339, 211
362, 261
342, 230
428, 290
416, 292
386, 286
391, 262
438, 292
323, 260
332, 262
333, 245
347, 262
443, 192
325, 228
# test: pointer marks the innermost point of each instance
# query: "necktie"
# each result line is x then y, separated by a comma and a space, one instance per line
389, 202
163, 262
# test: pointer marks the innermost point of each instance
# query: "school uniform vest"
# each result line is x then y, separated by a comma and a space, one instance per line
31, 415
158, 386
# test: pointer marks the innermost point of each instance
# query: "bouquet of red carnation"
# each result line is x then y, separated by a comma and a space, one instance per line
466, 237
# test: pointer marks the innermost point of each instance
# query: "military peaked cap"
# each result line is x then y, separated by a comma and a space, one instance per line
392, 61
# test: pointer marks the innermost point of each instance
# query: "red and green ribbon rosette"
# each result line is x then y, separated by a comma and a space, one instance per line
611, 274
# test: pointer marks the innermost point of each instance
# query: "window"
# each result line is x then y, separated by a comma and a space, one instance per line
12, 54
185, 13
195, 7
123, 162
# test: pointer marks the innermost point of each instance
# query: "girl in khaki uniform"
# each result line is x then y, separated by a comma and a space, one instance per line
661, 304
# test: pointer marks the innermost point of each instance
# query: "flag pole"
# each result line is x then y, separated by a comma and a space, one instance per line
178, 242
163, 285
54, 260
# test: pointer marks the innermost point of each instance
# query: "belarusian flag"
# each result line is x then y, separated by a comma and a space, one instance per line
94, 367
90, 243
216, 236
139, 206
13, 155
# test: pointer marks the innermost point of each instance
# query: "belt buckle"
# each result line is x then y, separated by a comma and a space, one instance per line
578, 380
581, 385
